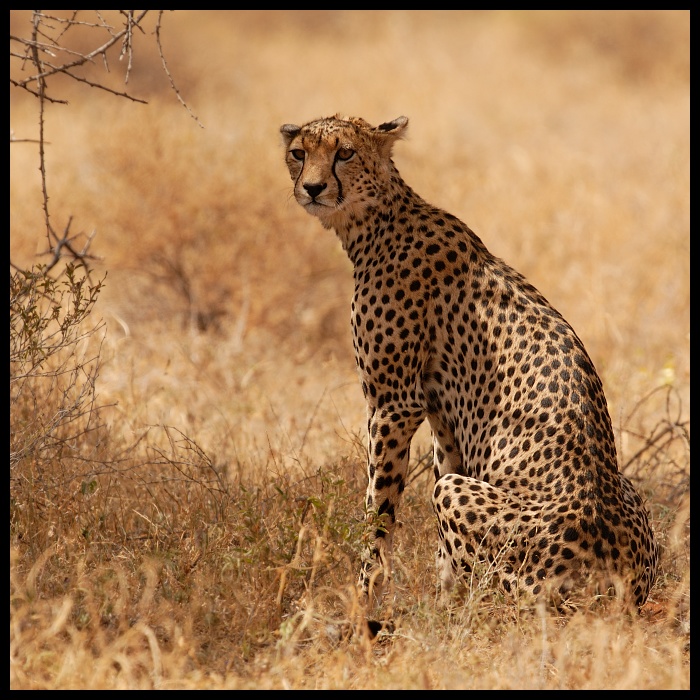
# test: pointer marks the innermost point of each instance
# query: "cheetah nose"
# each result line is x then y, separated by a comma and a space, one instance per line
314, 190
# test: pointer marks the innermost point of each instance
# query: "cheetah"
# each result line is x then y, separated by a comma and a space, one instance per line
527, 485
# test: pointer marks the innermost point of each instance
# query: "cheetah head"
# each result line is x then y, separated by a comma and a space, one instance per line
340, 164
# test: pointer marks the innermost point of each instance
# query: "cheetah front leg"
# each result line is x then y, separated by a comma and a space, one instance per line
390, 433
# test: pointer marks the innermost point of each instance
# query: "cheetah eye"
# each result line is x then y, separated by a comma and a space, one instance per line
345, 153
298, 154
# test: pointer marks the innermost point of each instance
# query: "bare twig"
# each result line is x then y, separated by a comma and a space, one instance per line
49, 54
167, 71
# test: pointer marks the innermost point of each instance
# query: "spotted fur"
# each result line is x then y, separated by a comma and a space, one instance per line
527, 485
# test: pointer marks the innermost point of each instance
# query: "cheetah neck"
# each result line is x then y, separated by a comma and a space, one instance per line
374, 226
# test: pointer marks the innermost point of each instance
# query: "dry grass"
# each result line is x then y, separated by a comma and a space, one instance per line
205, 534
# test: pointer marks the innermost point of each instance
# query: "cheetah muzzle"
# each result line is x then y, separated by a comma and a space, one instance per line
527, 487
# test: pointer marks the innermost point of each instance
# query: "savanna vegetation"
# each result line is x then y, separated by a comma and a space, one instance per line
186, 426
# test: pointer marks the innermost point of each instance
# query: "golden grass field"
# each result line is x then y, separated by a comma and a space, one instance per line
204, 532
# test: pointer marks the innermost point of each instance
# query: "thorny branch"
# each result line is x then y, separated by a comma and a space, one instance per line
49, 51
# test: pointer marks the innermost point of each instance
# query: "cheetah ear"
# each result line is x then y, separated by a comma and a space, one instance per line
386, 134
289, 132
398, 125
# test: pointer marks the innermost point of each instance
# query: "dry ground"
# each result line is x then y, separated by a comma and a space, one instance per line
205, 535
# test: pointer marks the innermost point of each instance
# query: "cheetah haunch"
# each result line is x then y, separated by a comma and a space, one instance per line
527, 480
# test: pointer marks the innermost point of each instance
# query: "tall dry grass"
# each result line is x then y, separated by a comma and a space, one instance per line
204, 532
